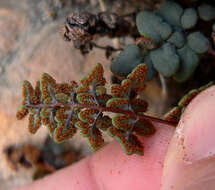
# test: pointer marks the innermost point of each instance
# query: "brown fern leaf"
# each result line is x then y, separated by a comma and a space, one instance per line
22, 112
144, 128
139, 105
122, 122
175, 113
94, 77
93, 135
48, 86
121, 90
88, 115
66, 119
131, 146
138, 76
86, 98
34, 122
118, 103
104, 123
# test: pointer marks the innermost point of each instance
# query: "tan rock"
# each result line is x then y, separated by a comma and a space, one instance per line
42, 52
12, 28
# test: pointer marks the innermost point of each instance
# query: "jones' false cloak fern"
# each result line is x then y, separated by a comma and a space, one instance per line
66, 108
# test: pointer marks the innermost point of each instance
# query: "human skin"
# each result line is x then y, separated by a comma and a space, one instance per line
174, 159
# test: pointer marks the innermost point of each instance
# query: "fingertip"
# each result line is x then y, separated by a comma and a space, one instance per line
110, 168
190, 159
113, 168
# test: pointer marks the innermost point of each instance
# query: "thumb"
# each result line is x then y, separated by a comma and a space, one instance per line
190, 160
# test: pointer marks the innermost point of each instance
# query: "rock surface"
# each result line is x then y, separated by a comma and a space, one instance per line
30, 46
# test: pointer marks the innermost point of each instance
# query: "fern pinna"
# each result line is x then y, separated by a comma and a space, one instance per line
66, 108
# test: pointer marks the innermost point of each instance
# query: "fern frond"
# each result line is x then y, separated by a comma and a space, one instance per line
65, 108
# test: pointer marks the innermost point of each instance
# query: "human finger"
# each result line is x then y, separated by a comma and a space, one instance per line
110, 168
190, 161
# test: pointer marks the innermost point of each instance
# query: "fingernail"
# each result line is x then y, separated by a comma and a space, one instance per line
190, 160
